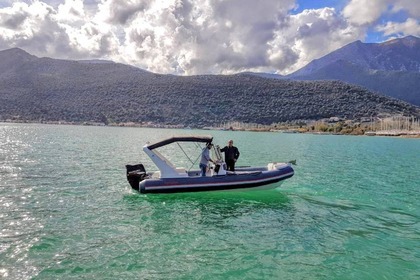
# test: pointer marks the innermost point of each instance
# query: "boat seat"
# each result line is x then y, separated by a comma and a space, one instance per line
181, 170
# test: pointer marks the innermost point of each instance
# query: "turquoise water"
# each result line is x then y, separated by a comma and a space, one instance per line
66, 210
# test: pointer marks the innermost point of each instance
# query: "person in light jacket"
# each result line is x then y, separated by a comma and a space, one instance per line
205, 158
231, 155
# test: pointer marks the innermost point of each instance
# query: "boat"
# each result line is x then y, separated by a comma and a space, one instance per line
172, 179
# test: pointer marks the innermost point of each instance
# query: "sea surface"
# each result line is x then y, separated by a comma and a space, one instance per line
351, 211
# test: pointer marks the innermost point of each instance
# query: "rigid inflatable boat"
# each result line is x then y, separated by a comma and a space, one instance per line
171, 179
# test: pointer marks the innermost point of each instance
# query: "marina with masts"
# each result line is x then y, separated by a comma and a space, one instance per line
380, 126
397, 126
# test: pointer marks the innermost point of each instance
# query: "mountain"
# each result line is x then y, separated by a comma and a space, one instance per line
391, 68
46, 89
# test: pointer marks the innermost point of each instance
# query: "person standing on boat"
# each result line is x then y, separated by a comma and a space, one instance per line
205, 158
231, 155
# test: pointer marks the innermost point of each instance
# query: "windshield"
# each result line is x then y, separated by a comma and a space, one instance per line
216, 153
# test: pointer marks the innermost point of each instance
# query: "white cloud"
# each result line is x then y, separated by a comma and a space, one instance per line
312, 34
71, 11
120, 11
30, 26
195, 36
412, 7
63, 33
410, 26
363, 12
204, 37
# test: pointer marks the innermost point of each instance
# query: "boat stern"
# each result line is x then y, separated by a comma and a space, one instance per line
135, 174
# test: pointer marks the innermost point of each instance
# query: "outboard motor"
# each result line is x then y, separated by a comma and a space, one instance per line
135, 174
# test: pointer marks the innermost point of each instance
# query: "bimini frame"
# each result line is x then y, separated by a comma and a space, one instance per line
167, 169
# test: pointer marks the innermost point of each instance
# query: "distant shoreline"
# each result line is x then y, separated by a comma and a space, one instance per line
287, 130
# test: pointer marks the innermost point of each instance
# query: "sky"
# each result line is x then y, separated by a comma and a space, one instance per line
194, 37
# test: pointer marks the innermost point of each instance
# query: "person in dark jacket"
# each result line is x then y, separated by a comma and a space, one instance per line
231, 155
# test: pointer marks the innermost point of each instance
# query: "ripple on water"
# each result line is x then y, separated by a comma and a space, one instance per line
66, 210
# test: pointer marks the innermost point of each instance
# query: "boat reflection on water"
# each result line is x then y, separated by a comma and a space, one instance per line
210, 207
